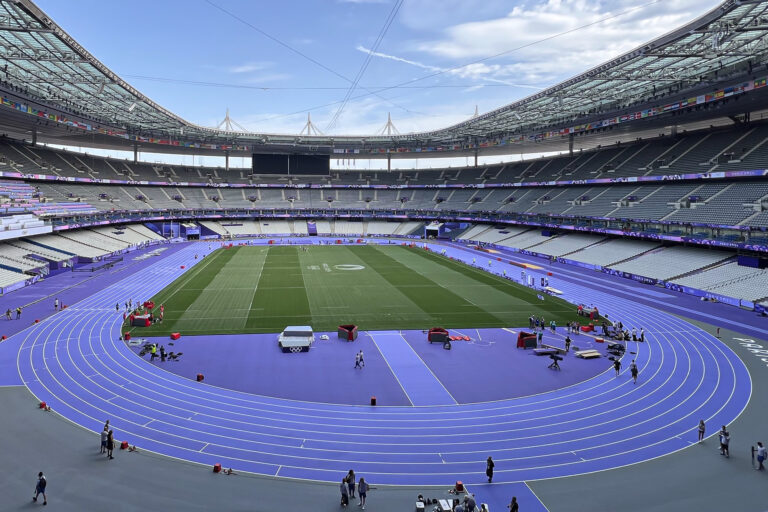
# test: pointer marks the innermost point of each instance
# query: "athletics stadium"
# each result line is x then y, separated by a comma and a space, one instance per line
571, 314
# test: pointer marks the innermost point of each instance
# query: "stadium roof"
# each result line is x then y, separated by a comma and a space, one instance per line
45, 69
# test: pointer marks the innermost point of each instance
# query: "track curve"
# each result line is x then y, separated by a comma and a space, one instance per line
76, 362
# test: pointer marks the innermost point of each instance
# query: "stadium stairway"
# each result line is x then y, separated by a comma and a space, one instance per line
702, 269
635, 256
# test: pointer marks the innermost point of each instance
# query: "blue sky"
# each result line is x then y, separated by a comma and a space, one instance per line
197, 60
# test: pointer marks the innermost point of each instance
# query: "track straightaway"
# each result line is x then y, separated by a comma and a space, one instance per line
76, 362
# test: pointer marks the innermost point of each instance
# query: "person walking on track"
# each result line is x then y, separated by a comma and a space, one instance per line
617, 366
702, 428
633, 370
40, 488
489, 469
760, 456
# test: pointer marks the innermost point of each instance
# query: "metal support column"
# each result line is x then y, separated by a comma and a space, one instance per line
135, 152
570, 144
226, 160
389, 162
34, 136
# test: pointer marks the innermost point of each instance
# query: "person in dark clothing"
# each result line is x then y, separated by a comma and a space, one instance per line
513, 507
567, 343
162, 353
18, 313
351, 483
702, 428
344, 492
110, 444
40, 488
617, 366
489, 469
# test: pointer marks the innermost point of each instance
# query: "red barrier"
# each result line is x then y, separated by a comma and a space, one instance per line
175, 335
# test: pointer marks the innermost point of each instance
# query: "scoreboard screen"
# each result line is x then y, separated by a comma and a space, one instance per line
294, 164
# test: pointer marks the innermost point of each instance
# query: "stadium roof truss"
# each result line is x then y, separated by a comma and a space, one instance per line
40, 62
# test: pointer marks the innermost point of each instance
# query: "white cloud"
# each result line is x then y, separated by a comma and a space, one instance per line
249, 67
519, 36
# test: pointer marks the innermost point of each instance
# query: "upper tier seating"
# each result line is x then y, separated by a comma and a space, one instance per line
735, 148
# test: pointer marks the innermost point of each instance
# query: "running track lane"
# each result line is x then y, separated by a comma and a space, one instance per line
75, 362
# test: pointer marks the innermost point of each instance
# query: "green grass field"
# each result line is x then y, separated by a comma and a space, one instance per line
264, 289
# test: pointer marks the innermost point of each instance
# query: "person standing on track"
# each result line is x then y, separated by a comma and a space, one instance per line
702, 428
567, 344
362, 359
110, 444
362, 491
725, 439
489, 465
617, 366
351, 483
357, 361
104, 436
8, 314
18, 313
633, 370
40, 488
117, 307
344, 492
56, 305
513, 506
